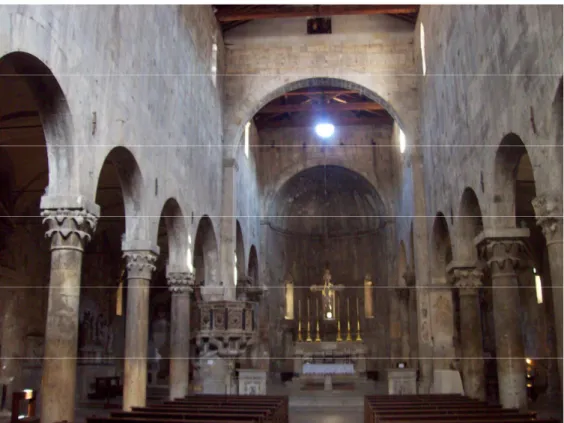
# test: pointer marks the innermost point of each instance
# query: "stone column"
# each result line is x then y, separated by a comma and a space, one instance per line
228, 228
424, 349
180, 285
409, 277
403, 297
503, 248
69, 230
548, 209
140, 266
395, 327
468, 279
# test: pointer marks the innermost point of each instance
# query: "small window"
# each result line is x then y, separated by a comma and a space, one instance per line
422, 43
247, 138
402, 142
214, 62
538, 286
235, 268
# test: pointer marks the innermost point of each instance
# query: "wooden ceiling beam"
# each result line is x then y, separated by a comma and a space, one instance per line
228, 14
308, 107
340, 121
318, 92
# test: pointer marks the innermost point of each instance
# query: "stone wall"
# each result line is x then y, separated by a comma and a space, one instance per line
478, 89
248, 195
370, 53
145, 72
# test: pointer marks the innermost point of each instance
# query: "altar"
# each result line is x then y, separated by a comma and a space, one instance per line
326, 355
329, 363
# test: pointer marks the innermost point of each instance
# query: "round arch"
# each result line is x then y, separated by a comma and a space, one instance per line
507, 158
441, 247
402, 264
240, 251
131, 183
265, 91
177, 235
51, 107
468, 225
253, 270
206, 260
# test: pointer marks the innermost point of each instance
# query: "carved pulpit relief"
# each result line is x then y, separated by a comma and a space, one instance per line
327, 290
289, 286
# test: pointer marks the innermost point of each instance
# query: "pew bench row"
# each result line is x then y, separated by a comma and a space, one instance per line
440, 409
206, 408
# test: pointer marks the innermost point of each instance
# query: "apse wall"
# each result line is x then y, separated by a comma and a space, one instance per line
285, 152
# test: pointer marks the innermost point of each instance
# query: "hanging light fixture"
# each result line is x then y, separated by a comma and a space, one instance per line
324, 128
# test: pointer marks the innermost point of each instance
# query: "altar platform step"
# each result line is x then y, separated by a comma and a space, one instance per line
324, 399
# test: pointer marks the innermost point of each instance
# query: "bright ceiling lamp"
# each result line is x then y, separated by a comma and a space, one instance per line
325, 130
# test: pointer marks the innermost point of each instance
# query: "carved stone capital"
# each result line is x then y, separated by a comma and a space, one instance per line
409, 277
548, 209
180, 282
69, 228
467, 279
140, 264
502, 255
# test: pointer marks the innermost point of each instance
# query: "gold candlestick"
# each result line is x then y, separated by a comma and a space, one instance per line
338, 317
358, 338
308, 338
300, 321
349, 338
317, 337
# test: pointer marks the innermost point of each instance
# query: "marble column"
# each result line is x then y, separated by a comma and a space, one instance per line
140, 266
503, 249
468, 279
69, 231
180, 285
548, 209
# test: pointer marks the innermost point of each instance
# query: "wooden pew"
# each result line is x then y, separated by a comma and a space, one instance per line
206, 408
440, 408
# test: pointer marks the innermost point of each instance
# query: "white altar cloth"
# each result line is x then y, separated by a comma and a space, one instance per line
328, 369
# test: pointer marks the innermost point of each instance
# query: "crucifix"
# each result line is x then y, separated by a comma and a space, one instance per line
328, 290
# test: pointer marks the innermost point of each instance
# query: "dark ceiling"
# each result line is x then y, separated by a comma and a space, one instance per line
231, 16
303, 107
